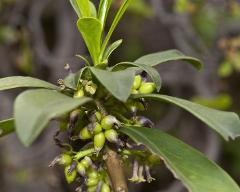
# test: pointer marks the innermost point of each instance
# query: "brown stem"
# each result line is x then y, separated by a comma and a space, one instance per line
115, 171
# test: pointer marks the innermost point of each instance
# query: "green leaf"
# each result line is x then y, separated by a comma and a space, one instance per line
103, 9
6, 127
19, 81
116, 20
118, 83
34, 109
153, 73
226, 124
75, 7
71, 81
91, 30
111, 49
84, 7
165, 56
187, 164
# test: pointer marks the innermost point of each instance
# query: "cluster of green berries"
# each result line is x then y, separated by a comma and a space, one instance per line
94, 179
140, 86
101, 130
98, 130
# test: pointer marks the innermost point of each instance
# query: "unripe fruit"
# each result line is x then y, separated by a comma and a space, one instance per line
111, 135
108, 122
85, 134
105, 188
65, 160
93, 173
137, 82
70, 177
97, 129
134, 91
147, 88
81, 169
98, 115
86, 162
99, 141
92, 182
79, 93
92, 189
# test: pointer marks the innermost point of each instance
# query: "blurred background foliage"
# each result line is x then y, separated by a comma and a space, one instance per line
37, 37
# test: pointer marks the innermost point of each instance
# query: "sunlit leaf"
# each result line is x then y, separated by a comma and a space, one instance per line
187, 164
91, 30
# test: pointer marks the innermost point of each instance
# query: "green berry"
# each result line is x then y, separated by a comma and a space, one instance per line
147, 88
108, 122
86, 162
134, 91
81, 169
99, 116
79, 93
105, 188
137, 82
99, 141
65, 160
85, 134
111, 135
91, 182
92, 189
93, 173
97, 129
70, 177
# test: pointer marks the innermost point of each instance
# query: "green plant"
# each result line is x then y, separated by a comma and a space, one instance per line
99, 106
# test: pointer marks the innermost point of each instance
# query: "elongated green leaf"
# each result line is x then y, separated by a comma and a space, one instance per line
104, 7
6, 127
111, 48
165, 56
91, 30
84, 7
187, 164
226, 124
34, 109
118, 83
19, 81
116, 20
75, 7
153, 73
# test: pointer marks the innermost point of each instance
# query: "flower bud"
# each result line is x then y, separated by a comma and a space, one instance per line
97, 128
137, 82
81, 169
79, 93
108, 122
105, 188
111, 135
85, 134
147, 88
99, 141
92, 182
70, 176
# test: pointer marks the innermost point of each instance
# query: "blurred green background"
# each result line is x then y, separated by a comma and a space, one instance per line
37, 37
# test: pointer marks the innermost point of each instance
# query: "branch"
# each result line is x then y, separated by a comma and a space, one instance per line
115, 171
